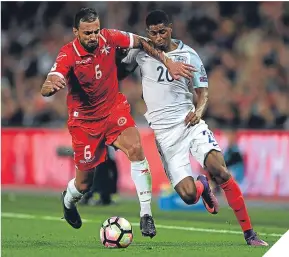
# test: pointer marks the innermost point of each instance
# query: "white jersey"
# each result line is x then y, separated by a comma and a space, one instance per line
168, 101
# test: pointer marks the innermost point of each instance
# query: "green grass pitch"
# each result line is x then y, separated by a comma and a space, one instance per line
31, 227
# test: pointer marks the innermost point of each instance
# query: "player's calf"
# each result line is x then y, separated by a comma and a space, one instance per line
129, 142
74, 192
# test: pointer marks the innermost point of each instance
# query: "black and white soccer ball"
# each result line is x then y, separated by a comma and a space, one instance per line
116, 232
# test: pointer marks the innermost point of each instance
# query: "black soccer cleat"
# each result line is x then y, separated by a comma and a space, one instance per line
71, 215
147, 226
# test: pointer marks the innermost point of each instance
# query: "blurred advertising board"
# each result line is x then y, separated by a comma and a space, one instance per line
29, 159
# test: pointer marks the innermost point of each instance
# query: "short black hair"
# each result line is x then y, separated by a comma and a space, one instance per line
85, 15
157, 17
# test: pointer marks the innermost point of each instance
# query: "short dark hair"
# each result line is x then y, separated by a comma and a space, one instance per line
85, 15
157, 17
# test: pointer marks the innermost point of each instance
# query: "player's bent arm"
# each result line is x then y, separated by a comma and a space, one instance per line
202, 104
56, 77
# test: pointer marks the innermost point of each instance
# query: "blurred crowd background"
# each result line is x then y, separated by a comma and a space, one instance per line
244, 47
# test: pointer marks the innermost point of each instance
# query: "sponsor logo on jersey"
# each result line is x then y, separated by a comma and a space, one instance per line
87, 160
121, 121
181, 59
85, 61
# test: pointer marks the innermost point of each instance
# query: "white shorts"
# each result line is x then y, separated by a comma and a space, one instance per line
175, 145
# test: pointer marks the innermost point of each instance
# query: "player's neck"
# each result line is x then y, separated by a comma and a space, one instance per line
172, 46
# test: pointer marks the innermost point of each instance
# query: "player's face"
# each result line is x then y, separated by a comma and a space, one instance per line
88, 33
160, 35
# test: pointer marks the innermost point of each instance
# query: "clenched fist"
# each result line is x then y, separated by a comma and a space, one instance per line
52, 84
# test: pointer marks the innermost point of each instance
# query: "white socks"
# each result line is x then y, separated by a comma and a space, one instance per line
72, 195
141, 176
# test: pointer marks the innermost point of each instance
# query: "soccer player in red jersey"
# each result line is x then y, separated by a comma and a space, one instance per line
98, 113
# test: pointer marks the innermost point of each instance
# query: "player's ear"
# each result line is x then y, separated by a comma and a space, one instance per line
75, 32
170, 27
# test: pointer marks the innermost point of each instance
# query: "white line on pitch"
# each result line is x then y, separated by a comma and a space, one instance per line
219, 231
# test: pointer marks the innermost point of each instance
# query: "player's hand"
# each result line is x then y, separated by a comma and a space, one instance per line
179, 69
52, 84
192, 119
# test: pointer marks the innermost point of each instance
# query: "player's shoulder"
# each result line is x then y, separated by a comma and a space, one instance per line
193, 55
190, 50
108, 34
105, 32
67, 47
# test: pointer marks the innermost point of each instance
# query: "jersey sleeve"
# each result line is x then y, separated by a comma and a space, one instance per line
120, 38
62, 64
200, 77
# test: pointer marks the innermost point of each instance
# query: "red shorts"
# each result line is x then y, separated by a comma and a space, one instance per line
89, 138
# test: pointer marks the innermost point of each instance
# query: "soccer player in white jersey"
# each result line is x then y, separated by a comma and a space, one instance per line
178, 126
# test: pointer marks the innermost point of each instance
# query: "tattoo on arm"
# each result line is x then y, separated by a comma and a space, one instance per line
150, 50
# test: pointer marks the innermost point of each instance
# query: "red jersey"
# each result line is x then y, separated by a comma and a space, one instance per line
91, 77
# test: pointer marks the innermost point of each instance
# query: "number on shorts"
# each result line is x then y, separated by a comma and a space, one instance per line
87, 152
98, 73
210, 137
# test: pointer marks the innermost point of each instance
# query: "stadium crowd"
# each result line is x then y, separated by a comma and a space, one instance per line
244, 47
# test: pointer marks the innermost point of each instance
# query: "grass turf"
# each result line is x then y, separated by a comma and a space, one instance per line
38, 236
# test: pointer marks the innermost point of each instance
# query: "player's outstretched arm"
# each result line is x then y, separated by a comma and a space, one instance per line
194, 118
52, 84
176, 69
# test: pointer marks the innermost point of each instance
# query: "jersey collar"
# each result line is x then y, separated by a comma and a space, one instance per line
179, 42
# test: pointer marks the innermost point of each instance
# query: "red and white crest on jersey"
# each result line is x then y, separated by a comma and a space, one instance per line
121, 121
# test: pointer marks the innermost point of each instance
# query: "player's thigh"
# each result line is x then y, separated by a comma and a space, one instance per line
122, 132
176, 162
203, 143
89, 151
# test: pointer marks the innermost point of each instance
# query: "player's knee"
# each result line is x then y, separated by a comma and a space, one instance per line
135, 152
188, 196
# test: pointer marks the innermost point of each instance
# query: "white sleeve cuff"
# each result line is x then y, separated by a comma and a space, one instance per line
130, 40
57, 74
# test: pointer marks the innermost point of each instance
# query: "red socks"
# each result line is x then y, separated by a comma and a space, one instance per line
200, 189
236, 202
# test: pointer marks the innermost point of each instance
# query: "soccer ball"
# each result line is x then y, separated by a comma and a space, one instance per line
116, 232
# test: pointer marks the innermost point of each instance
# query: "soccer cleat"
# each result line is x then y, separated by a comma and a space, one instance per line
252, 239
209, 199
71, 215
147, 226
